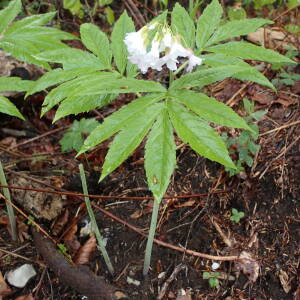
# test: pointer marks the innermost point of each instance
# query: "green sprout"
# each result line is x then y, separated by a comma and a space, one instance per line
236, 215
212, 277
30, 220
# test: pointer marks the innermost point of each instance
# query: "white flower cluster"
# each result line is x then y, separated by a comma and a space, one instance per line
163, 42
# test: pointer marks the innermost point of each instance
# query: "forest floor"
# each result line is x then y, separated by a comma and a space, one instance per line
194, 216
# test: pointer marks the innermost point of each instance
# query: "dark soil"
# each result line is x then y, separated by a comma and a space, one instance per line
268, 194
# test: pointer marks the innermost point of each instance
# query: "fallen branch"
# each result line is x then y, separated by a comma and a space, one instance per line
78, 277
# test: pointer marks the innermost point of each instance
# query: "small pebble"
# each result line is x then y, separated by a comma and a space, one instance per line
20, 276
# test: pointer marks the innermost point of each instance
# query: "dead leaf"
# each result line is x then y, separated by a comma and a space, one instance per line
248, 265
138, 213
297, 293
84, 253
23, 231
9, 142
71, 241
188, 203
40, 205
60, 222
284, 280
25, 297
286, 100
184, 295
262, 98
274, 38
4, 288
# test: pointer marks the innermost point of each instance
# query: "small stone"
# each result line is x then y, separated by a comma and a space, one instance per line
20, 276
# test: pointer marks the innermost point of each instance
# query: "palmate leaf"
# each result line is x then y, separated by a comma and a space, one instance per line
183, 25
210, 109
122, 26
32, 33
71, 58
9, 108
207, 76
129, 138
76, 105
160, 155
35, 20
14, 84
8, 14
23, 50
219, 59
198, 134
56, 76
96, 41
208, 22
105, 83
118, 120
248, 51
73, 138
236, 28
63, 91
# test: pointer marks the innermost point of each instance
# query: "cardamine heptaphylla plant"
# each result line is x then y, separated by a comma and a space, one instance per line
194, 54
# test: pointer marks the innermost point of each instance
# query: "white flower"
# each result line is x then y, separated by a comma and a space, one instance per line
163, 42
135, 43
193, 62
166, 41
171, 58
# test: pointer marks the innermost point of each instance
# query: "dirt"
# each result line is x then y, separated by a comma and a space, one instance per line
268, 194
271, 212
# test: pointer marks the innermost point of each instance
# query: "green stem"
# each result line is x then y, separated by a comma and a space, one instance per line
180, 68
10, 210
95, 227
171, 78
151, 237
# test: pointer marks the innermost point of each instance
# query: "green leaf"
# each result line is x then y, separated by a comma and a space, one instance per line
210, 109
110, 15
118, 120
110, 83
76, 105
248, 51
183, 25
293, 3
73, 138
36, 32
129, 138
23, 50
207, 76
236, 13
75, 7
71, 58
213, 282
8, 14
14, 84
35, 20
8, 108
96, 41
219, 59
160, 155
198, 134
54, 77
122, 26
63, 91
236, 28
42, 43
208, 22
